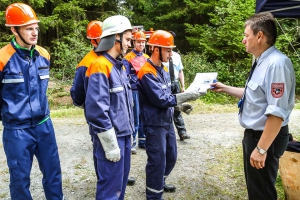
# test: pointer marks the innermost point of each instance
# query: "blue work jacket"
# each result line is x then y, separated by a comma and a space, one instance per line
156, 99
108, 102
24, 76
77, 90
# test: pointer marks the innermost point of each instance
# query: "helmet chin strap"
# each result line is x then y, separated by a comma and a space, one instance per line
17, 30
160, 55
121, 41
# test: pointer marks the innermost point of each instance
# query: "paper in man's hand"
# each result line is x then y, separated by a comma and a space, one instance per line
202, 82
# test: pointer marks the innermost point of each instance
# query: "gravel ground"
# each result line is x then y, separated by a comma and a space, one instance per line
196, 174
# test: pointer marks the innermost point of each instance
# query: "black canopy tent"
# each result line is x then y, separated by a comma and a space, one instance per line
279, 8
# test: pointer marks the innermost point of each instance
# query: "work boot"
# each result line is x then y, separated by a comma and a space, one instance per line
131, 181
184, 137
169, 188
133, 150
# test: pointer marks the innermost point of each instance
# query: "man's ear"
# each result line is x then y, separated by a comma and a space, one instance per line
260, 35
94, 43
13, 30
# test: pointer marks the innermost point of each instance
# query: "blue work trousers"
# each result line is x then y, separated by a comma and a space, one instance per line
113, 176
138, 128
20, 145
161, 148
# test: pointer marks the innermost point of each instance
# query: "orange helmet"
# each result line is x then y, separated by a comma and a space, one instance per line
161, 38
20, 14
139, 36
94, 30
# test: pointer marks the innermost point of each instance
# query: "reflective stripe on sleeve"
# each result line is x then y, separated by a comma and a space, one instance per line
13, 80
117, 89
44, 76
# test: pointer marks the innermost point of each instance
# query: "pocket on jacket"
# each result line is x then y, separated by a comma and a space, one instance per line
13, 87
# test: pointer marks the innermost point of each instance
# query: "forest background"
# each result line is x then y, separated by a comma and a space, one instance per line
208, 34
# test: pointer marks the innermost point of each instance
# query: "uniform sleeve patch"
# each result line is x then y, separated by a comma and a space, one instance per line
277, 89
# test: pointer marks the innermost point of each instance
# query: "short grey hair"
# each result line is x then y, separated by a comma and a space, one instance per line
264, 22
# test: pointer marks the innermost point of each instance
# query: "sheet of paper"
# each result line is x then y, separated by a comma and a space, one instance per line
202, 82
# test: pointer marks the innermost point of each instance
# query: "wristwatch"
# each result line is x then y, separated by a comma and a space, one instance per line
261, 151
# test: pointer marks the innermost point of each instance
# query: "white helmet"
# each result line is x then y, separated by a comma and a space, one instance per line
115, 24
110, 27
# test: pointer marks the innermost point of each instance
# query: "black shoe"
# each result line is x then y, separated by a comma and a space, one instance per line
131, 181
169, 188
133, 150
184, 137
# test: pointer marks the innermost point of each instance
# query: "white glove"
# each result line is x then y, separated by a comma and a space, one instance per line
188, 96
109, 142
131, 139
185, 107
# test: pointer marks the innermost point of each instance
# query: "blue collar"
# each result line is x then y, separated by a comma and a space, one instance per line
137, 53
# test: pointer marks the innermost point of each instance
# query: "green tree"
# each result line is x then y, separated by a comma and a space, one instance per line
169, 15
220, 39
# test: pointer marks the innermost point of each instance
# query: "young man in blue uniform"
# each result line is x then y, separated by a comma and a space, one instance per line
265, 106
25, 115
77, 91
177, 86
156, 104
108, 109
133, 61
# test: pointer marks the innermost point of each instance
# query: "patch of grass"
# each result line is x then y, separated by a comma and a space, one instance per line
81, 164
279, 187
231, 164
84, 177
4, 172
67, 183
297, 105
225, 177
59, 94
90, 188
74, 112
3, 195
199, 107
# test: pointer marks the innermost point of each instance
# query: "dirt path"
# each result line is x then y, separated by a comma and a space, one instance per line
198, 174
